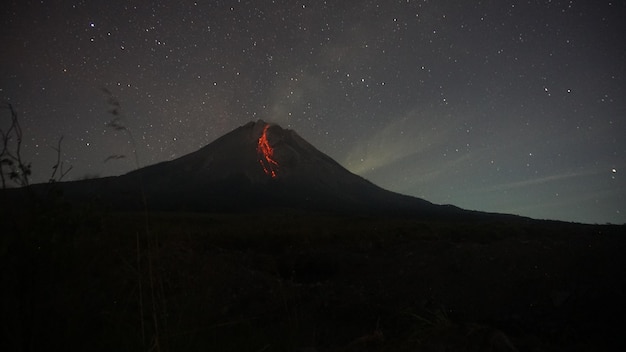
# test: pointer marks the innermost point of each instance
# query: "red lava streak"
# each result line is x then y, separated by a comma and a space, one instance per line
266, 154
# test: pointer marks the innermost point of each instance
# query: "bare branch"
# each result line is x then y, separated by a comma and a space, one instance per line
114, 157
18, 171
58, 167
12, 166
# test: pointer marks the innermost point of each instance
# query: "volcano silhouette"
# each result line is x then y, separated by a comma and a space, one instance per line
261, 165
255, 166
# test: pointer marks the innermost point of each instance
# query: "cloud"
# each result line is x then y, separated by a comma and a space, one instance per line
539, 181
412, 135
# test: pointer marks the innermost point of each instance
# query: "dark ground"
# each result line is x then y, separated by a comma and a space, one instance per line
81, 279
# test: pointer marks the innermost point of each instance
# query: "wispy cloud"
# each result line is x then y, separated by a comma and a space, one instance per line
539, 181
408, 136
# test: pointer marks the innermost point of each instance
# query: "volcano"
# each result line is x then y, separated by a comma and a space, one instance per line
256, 166
258, 225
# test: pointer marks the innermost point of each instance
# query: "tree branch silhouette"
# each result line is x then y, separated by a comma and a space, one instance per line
12, 166
58, 167
11, 162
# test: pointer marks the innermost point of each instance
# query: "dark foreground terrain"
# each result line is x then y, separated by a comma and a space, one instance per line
89, 280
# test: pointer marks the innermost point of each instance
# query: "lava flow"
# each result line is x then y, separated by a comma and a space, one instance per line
266, 154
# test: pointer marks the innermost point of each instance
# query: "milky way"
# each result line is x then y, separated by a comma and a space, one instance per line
502, 106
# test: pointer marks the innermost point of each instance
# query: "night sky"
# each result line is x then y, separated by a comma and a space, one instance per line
502, 106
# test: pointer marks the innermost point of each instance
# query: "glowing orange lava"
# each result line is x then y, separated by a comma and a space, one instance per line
266, 154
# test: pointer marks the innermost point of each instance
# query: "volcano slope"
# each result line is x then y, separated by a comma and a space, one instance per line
260, 242
256, 166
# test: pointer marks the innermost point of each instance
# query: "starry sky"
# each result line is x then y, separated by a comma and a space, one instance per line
501, 106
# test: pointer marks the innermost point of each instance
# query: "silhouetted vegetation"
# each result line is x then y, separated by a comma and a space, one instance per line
13, 167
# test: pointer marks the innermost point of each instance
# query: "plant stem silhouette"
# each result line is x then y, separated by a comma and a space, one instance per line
117, 124
11, 154
58, 166
12, 165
